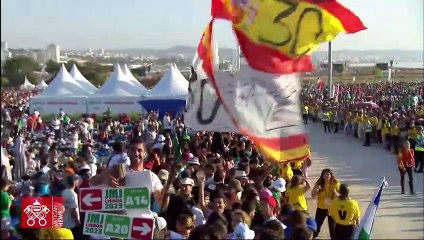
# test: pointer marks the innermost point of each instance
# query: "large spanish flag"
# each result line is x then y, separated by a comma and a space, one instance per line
204, 49
277, 35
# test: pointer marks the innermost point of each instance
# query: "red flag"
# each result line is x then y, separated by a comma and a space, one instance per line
221, 9
204, 50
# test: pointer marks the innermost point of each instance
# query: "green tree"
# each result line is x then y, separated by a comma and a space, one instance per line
140, 71
15, 69
95, 73
4, 81
70, 63
52, 67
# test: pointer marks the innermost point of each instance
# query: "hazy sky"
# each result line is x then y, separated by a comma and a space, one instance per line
82, 24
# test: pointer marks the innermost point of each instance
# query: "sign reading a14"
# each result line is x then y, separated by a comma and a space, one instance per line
115, 199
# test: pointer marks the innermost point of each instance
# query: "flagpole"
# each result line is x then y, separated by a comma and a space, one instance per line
330, 70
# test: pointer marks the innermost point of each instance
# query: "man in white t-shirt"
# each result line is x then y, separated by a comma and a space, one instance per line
136, 153
71, 219
74, 139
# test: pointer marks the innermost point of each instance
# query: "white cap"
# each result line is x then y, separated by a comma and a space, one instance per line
187, 181
194, 161
160, 138
240, 174
279, 184
160, 223
242, 231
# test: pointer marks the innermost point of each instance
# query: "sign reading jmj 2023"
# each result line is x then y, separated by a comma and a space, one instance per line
118, 226
111, 199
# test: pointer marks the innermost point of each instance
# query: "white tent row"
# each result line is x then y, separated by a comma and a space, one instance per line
42, 85
27, 85
119, 93
171, 86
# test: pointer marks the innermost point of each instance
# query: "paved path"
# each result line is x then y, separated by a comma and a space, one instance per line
399, 216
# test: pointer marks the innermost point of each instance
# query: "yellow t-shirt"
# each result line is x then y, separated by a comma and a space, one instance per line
297, 164
374, 121
344, 212
305, 110
56, 233
327, 195
395, 131
296, 198
412, 133
286, 172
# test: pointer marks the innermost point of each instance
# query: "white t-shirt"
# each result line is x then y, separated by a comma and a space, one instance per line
74, 140
56, 124
200, 218
156, 183
70, 200
167, 122
90, 123
119, 158
174, 235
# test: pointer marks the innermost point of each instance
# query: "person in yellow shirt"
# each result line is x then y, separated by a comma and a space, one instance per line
296, 167
305, 112
296, 193
374, 124
55, 233
368, 131
386, 133
346, 214
412, 135
286, 172
325, 189
395, 137
356, 121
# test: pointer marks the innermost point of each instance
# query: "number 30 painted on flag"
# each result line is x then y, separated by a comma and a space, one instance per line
286, 13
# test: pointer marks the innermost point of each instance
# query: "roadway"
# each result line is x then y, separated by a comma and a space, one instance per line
399, 216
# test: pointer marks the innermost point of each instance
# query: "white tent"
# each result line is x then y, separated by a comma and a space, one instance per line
42, 85
76, 74
118, 93
27, 84
119, 84
173, 85
133, 79
64, 84
63, 92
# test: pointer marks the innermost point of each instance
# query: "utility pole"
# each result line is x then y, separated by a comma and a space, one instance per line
330, 70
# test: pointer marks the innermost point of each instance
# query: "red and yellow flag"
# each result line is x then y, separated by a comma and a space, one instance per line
204, 49
276, 36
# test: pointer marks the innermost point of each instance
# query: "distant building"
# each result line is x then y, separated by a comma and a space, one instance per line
101, 51
53, 52
4, 46
5, 54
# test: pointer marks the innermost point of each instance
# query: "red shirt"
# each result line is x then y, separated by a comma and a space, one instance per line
407, 158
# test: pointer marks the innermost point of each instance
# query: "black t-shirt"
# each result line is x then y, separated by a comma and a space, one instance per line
177, 205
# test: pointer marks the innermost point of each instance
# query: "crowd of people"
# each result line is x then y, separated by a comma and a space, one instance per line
205, 185
388, 114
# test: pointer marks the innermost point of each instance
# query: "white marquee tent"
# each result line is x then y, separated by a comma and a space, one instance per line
27, 84
173, 85
133, 79
63, 92
118, 93
76, 74
42, 85
169, 95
